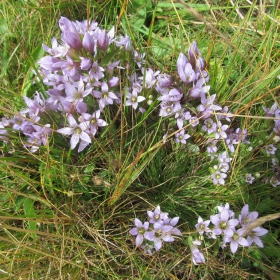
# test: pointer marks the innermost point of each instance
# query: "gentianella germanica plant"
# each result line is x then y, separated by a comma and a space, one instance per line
83, 70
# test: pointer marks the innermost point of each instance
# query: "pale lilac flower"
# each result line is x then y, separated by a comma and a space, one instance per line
186, 72
96, 71
218, 178
103, 40
167, 108
173, 95
253, 236
133, 99
139, 58
105, 96
56, 50
114, 81
181, 137
211, 146
211, 234
270, 149
194, 121
202, 226
112, 66
76, 95
38, 137
221, 131
160, 233
196, 242
125, 42
249, 178
149, 79
274, 181
197, 256
210, 126
164, 80
246, 217
207, 106
222, 208
86, 63
271, 112
77, 131
147, 248
157, 216
200, 89
236, 239
140, 231
89, 43
223, 224
93, 121
72, 39
224, 167
224, 158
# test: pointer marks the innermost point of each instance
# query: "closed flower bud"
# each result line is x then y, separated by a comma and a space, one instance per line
103, 41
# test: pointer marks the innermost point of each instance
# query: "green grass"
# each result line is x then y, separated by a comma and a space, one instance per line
65, 215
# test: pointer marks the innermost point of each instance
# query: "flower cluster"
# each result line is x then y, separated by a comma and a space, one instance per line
235, 231
160, 228
84, 71
81, 72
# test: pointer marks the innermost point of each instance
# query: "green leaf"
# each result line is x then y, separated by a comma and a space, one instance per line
138, 12
28, 207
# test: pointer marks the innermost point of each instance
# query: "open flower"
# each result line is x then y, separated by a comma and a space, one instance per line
133, 99
236, 239
253, 236
140, 231
77, 131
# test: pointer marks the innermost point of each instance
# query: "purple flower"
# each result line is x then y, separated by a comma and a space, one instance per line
88, 43
202, 226
200, 89
197, 256
164, 80
211, 146
77, 131
93, 121
182, 137
125, 42
236, 239
147, 248
157, 216
209, 126
150, 77
139, 58
207, 106
39, 137
96, 72
72, 39
223, 224
140, 231
185, 70
160, 233
103, 41
272, 111
253, 236
133, 99
221, 131
246, 217
249, 178
226, 207
274, 181
270, 149
218, 178
105, 96
167, 108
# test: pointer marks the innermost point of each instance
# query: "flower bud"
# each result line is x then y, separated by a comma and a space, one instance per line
103, 41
